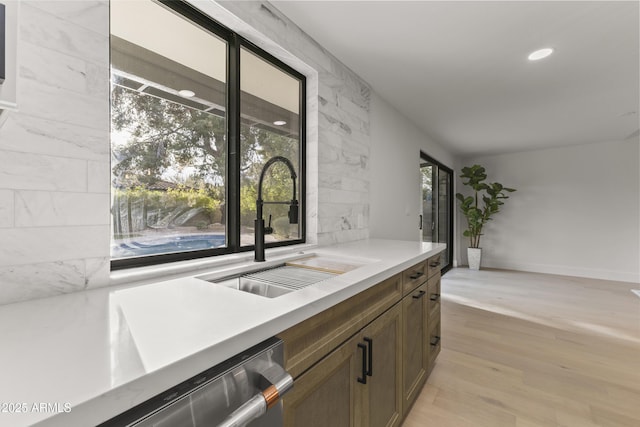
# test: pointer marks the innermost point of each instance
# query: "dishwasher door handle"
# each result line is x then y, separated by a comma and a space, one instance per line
259, 403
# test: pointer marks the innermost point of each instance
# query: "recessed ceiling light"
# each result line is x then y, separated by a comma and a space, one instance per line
540, 53
279, 123
186, 93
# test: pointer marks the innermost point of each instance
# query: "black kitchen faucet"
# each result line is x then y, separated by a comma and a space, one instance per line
260, 229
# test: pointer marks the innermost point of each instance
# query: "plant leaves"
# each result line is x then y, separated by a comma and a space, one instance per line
490, 194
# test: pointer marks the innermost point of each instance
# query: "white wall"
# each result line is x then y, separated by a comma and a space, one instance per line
395, 196
576, 211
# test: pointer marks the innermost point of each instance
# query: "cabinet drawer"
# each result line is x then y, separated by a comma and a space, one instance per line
309, 341
434, 298
414, 277
434, 264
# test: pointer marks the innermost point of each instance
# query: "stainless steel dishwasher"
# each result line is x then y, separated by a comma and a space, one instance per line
244, 390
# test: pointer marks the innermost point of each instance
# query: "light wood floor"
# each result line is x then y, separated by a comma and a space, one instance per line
524, 349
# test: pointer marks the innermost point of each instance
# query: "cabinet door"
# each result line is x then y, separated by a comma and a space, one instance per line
434, 299
415, 339
382, 401
434, 344
325, 395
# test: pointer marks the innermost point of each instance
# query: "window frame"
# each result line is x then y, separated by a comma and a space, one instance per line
424, 156
233, 121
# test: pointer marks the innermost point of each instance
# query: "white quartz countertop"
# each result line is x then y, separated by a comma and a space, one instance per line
82, 358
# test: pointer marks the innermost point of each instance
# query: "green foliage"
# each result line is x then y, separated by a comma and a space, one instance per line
165, 206
491, 195
426, 172
164, 135
263, 145
165, 141
193, 198
281, 226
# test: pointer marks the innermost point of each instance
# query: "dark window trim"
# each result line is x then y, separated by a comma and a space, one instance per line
235, 42
302, 161
424, 156
233, 146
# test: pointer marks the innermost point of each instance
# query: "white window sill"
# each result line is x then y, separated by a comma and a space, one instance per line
172, 270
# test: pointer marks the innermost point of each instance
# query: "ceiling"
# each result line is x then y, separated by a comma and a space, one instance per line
459, 70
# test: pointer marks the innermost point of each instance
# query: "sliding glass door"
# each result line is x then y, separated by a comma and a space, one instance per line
437, 205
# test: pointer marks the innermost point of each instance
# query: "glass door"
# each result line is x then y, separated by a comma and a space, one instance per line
437, 205
427, 171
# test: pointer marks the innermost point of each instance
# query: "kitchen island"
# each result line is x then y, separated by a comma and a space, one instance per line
90, 355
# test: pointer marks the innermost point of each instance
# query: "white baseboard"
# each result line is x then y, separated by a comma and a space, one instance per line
619, 276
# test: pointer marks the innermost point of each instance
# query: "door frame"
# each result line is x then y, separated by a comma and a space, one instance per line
426, 157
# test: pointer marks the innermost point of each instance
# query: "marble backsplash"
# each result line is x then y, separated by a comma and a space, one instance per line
54, 154
55, 151
341, 107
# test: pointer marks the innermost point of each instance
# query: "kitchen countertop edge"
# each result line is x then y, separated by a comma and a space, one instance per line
105, 404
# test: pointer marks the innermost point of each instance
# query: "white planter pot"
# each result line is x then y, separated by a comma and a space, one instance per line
474, 255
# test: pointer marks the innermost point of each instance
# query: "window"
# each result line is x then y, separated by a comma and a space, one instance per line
268, 129
196, 112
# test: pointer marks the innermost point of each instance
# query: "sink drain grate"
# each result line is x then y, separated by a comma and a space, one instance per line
290, 277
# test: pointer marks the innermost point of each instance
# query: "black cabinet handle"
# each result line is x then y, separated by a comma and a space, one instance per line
363, 378
416, 275
435, 341
370, 367
434, 297
420, 295
434, 264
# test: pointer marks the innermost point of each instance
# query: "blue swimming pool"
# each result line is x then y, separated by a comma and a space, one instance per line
166, 244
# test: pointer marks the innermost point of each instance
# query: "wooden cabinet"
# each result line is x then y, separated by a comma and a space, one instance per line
325, 395
382, 395
433, 293
358, 384
415, 335
309, 341
433, 286
434, 344
364, 361
421, 328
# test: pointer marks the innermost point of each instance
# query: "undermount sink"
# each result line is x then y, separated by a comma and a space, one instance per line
256, 287
274, 281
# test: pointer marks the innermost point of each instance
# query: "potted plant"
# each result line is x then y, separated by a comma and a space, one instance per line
491, 195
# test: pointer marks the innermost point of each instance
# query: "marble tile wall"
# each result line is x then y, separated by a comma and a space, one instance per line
54, 154
342, 142
54, 151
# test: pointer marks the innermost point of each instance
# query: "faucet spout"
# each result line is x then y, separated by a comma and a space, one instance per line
267, 165
293, 205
